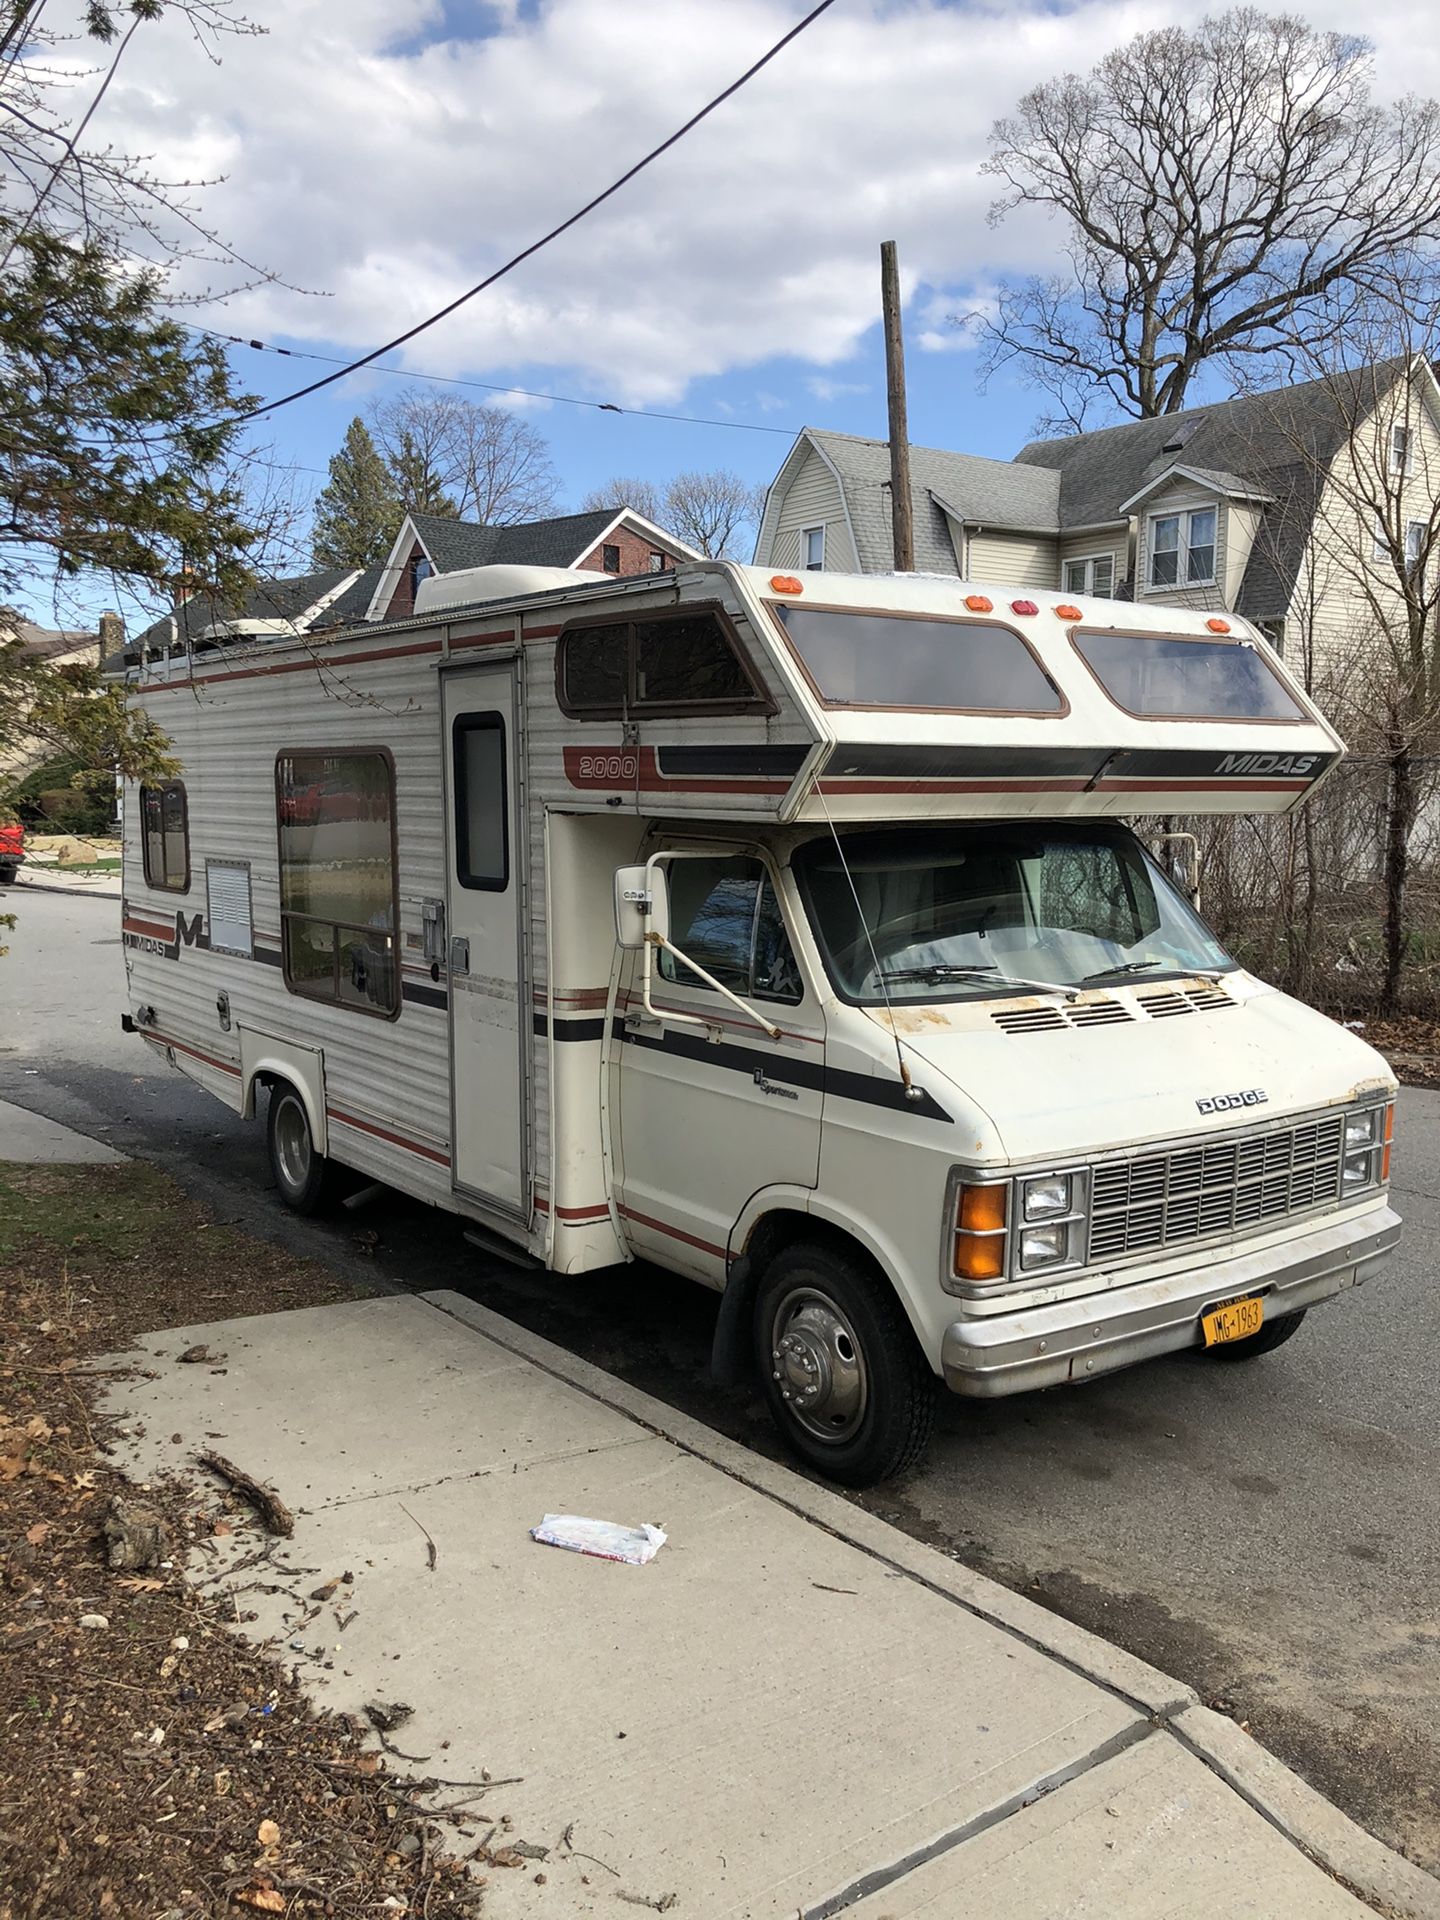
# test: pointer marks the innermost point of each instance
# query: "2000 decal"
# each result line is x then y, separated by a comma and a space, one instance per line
608, 766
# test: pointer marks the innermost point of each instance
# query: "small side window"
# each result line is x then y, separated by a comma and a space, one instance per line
165, 833
666, 662
725, 915
482, 828
610, 558
812, 549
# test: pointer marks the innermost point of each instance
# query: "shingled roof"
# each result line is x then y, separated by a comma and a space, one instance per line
981, 492
292, 599
559, 542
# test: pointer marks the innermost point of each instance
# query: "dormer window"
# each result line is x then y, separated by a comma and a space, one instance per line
1182, 549
420, 569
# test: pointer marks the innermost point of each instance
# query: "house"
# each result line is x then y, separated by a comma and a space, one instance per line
22, 753
610, 540
607, 540
1283, 506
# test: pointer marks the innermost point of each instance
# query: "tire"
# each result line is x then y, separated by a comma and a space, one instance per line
301, 1172
7, 876
1274, 1333
827, 1324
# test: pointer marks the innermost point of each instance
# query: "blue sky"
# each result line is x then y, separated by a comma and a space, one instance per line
381, 155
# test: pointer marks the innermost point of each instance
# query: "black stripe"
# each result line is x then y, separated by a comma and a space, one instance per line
423, 996
1267, 759
590, 1029
744, 762
269, 955
1044, 763
869, 1089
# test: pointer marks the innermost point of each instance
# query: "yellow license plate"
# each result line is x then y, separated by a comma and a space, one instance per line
1235, 1321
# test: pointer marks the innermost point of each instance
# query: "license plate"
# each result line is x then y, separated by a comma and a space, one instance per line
1235, 1321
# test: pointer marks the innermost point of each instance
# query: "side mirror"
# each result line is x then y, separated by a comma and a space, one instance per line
642, 905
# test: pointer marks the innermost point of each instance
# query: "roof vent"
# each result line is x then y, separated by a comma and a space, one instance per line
1175, 444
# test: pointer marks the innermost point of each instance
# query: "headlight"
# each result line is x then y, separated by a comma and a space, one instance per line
1044, 1246
1047, 1197
1366, 1152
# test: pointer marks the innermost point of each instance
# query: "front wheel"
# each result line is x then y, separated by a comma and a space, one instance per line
300, 1169
1274, 1333
844, 1379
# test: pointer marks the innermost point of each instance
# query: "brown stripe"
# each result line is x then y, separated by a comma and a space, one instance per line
382, 1133
675, 1233
164, 1040
319, 664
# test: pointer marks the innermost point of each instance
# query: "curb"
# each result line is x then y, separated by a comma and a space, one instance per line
101, 892
1305, 1817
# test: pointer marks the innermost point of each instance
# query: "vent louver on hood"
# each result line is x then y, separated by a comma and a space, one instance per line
1108, 1012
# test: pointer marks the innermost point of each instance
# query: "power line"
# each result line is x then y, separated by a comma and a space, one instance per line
490, 386
353, 366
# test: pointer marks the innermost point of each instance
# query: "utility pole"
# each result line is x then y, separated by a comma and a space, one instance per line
902, 518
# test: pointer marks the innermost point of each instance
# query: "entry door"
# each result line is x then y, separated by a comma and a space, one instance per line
484, 849
711, 1114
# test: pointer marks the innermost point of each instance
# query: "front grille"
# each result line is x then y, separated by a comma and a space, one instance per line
1223, 1186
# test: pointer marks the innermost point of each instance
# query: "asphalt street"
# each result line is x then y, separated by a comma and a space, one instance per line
1269, 1533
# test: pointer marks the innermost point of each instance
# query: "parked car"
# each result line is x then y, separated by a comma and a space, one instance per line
12, 851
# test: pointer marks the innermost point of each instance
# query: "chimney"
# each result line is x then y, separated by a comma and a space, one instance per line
111, 636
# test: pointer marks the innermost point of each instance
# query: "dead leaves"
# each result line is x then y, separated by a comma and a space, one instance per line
262, 1899
268, 1834
36, 1534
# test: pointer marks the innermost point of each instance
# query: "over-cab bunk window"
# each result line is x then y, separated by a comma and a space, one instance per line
858, 659
338, 910
687, 661
1169, 677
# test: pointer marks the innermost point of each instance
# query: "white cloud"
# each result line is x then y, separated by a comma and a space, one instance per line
828, 390
393, 179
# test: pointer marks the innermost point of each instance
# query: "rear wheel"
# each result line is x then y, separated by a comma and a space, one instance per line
7, 875
844, 1379
300, 1169
1274, 1333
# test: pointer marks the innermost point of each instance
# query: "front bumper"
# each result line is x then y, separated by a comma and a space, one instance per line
1075, 1340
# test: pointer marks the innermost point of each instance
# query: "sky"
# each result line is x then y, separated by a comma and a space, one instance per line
378, 156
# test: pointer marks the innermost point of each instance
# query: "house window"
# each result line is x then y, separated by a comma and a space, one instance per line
482, 833
1095, 576
668, 663
725, 915
1415, 537
657, 562
335, 815
1182, 549
165, 833
1402, 450
610, 558
812, 549
420, 569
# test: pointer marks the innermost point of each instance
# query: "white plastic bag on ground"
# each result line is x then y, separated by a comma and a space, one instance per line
602, 1539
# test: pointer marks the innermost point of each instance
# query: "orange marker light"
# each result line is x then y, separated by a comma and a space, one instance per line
1218, 626
1067, 612
977, 603
1023, 606
982, 1209
785, 583
1389, 1136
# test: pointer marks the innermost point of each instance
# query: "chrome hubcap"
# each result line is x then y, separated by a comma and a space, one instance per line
818, 1364
292, 1143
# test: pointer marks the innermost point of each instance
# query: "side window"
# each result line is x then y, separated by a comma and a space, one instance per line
724, 914
482, 836
335, 815
165, 834
673, 663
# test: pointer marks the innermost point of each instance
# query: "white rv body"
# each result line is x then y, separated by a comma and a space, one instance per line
520, 1080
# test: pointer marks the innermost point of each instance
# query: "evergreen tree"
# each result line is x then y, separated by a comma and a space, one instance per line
358, 513
421, 488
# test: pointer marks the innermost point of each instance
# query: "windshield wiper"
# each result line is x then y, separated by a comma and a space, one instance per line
1140, 966
941, 971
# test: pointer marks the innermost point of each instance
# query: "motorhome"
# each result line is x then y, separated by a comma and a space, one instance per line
785, 931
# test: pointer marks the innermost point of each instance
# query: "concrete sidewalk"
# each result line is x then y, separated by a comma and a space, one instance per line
35, 1141
794, 1710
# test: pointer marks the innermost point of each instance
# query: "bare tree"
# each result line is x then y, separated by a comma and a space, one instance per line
1228, 192
627, 490
449, 454
710, 510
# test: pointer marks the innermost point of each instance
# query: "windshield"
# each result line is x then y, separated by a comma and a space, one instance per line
962, 912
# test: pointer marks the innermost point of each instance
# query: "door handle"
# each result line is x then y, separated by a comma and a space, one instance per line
459, 954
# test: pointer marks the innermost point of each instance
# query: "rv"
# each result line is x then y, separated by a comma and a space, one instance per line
785, 931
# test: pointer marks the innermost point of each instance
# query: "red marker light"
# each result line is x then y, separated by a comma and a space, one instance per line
1023, 606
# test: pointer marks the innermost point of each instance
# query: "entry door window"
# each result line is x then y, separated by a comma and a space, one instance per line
482, 828
725, 915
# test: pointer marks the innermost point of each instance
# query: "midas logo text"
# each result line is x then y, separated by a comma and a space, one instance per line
1280, 764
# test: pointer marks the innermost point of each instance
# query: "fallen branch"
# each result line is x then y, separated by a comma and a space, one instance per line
267, 1503
429, 1543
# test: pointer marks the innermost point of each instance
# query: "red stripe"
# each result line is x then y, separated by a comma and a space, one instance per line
541, 633
319, 664
382, 1133
675, 1233
483, 640
574, 1213
839, 786
164, 1040
152, 929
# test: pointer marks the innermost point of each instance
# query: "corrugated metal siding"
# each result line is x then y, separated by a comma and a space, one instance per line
1014, 559
812, 501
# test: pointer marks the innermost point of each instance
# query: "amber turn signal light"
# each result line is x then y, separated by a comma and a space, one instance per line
1067, 612
1389, 1136
977, 603
980, 1232
1218, 626
785, 583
